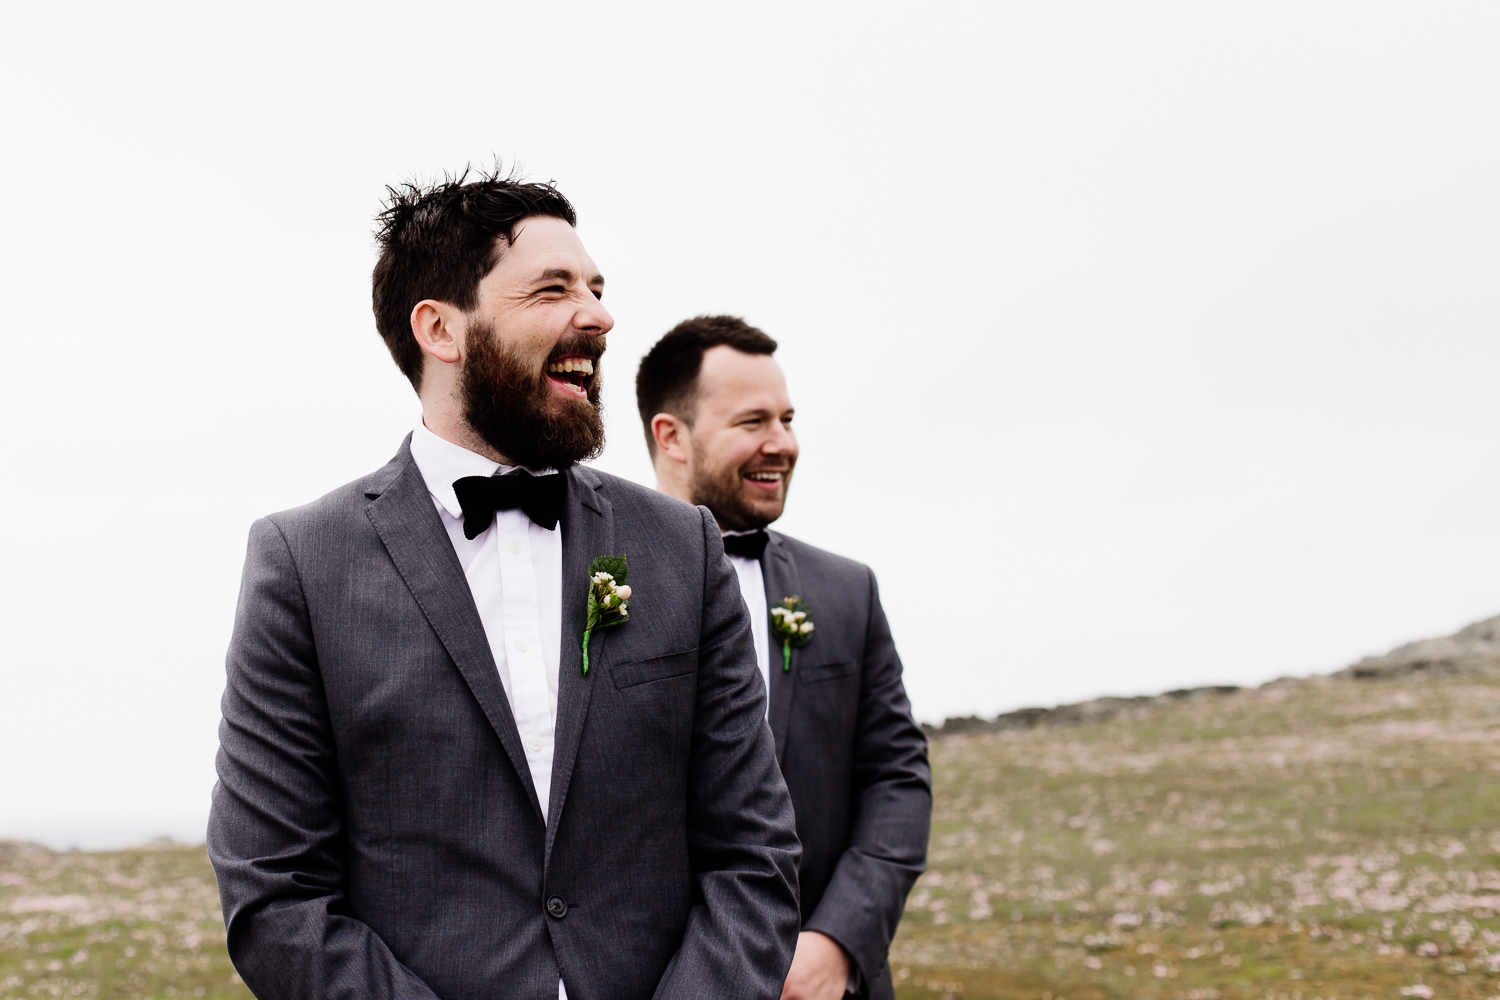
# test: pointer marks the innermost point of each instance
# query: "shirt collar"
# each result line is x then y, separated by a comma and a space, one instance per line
442, 463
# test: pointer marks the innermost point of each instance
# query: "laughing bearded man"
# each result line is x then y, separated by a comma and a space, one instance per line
718, 421
455, 759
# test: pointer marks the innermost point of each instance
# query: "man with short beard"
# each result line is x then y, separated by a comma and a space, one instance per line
718, 422
493, 725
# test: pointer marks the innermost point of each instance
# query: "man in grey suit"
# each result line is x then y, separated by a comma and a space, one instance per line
462, 755
718, 421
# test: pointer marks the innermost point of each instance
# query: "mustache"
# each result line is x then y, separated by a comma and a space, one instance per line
578, 345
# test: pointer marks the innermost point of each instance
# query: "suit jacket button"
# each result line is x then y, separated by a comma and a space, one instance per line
557, 907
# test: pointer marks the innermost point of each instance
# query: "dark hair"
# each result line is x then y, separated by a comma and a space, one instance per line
438, 241
667, 381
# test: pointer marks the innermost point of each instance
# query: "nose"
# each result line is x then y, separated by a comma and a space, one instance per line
592, 318
780, 441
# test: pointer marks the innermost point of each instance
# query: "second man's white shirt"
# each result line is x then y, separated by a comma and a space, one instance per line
753, 589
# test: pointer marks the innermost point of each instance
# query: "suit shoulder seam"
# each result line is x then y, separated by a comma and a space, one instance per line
291, 559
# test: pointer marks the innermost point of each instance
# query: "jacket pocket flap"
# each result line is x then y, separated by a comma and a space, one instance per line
816, 672
655, 669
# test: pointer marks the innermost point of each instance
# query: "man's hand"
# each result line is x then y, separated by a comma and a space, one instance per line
820, 969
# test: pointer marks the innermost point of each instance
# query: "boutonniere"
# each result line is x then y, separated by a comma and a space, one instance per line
792, 622
609, 598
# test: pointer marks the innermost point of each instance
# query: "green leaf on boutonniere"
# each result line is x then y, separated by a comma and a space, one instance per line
792, 624
609, 598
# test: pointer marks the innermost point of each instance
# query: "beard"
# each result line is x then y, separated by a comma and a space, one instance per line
516, 411
722, 492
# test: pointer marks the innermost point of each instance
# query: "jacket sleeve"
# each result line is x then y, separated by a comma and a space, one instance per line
892, 810
274, 827
742, 835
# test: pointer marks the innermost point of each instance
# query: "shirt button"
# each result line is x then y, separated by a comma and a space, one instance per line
535, 745
522, 645
515, 548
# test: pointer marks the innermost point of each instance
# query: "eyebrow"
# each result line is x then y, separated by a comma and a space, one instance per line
564, 275
757, 411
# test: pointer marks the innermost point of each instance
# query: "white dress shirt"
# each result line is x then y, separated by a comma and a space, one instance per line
514, 569
753, 589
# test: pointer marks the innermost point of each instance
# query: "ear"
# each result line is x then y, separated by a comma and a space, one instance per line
671, 434
439, 329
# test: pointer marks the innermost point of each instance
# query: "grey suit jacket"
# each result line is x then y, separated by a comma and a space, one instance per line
854, 758
375, 829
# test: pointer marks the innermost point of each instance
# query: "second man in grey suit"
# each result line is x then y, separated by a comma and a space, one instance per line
718, 422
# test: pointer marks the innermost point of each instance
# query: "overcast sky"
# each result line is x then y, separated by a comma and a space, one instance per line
1135, 346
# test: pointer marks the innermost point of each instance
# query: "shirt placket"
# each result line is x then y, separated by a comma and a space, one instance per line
531, 701
753, 589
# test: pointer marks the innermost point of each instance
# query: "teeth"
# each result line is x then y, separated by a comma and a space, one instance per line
766, 477
572, 365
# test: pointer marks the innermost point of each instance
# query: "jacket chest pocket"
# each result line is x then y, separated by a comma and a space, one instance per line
657, 668
647, 719
820, 673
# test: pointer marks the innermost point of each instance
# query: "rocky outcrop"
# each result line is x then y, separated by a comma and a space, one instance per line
1094, 710
1471, 650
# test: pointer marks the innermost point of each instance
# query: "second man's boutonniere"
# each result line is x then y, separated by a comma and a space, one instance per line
609, 598
791, 621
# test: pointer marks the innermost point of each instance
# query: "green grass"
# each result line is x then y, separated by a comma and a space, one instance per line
141, 923
1327, 840
1332, 839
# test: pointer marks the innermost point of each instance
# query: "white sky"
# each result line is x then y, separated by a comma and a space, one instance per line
1136, 346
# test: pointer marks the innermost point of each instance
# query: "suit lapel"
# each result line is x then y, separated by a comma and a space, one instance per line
588, 532
780, 572
408, 525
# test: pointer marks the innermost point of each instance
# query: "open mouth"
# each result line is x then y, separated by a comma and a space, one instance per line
765, 479
573, 375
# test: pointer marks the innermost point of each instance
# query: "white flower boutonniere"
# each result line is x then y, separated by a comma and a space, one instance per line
609, 598
792, 624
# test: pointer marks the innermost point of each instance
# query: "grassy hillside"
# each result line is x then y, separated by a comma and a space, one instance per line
1320, 840
1324, 839
142, 923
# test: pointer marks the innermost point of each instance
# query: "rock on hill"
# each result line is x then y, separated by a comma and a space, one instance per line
1471, 650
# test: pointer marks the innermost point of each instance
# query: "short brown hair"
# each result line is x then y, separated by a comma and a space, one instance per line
667, 381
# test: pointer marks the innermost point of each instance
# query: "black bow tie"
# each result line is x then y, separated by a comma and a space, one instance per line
541, 497
748, 546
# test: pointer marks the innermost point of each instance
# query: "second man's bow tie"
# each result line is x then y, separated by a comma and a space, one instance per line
540, 497
746, 546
